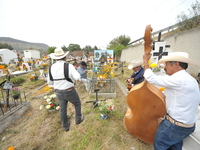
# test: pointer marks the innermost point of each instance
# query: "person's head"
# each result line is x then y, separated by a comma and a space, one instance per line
172, 67
76, 65
135, 65
83, 64
59, 54
175, 62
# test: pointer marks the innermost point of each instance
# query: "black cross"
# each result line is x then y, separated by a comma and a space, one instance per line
160, 53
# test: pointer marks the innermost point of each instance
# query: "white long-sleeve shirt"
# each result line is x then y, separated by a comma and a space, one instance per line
182, 94
57, 71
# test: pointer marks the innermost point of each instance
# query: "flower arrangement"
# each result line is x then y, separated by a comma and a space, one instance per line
11, 66
155, 67
107, 106
15, 91
50, 103
2, 67
106, 72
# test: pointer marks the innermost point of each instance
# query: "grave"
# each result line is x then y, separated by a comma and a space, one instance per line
106, 87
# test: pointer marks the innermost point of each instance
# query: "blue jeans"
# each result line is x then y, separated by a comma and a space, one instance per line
170, 137
68, 96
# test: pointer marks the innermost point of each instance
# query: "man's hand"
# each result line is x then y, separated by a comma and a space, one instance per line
146, 58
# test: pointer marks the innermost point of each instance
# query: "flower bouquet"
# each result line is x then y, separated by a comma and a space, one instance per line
50, 103
106, 107
15, 91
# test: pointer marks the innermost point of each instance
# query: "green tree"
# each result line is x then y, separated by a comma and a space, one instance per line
74, 47
64, 48
6, 46
87, 49
118, 44
51, 50
95, 48
122, 39
117, 49
190, 21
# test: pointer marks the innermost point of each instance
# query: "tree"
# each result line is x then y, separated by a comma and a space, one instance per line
6, 46
117, 49
95, 48
118, 44
64, 48
87, 49
122, 39
74, 47
51, 50
190, 21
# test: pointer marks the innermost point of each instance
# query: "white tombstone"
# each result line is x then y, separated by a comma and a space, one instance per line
27, 66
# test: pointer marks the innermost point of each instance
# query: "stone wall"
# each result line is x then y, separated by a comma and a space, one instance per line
188, 41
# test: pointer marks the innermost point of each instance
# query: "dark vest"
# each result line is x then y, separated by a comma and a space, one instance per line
138, 77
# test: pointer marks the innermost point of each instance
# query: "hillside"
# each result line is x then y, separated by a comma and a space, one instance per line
20, 45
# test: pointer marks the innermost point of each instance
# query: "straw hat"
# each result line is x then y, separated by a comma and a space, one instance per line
58, 54
177, 56
134, 63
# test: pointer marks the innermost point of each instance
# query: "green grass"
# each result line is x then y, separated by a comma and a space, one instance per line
41, 130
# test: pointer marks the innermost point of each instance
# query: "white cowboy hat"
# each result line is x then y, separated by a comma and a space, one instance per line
58, 54
134, 63
177, 56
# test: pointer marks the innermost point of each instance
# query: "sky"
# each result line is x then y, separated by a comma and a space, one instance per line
86, 22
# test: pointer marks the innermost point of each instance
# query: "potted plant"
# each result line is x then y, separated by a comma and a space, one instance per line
15, 92
106, 107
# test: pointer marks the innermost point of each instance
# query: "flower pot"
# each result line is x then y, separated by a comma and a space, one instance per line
51, 110
103, 116
15, 96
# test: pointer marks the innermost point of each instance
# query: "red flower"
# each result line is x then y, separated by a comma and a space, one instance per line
110, 108
52, 105
53, 100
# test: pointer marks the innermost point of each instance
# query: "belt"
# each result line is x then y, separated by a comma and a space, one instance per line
178, 123
65, 89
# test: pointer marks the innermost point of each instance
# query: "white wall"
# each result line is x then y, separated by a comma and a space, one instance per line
7, 55
32, 54
188, 41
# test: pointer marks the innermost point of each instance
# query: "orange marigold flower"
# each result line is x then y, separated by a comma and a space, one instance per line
11, 148
1, 66
162, 89
31, 77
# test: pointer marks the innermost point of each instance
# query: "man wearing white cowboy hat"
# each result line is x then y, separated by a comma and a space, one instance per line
137, 76
182, 100
64, 88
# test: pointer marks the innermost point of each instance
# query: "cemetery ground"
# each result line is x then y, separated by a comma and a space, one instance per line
41, 130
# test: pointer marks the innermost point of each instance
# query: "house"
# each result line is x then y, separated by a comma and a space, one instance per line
7, 55
34, 54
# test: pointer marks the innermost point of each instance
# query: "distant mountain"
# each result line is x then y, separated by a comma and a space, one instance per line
20, 45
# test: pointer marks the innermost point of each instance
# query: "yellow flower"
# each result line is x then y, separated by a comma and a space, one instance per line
1, 67
48, 106
162, 89
112, 74
11, 148
31, 77
153, 65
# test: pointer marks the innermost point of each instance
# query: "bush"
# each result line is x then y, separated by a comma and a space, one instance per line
17, 80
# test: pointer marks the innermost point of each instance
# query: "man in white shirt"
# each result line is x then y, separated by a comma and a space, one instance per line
182, 100
65, 90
